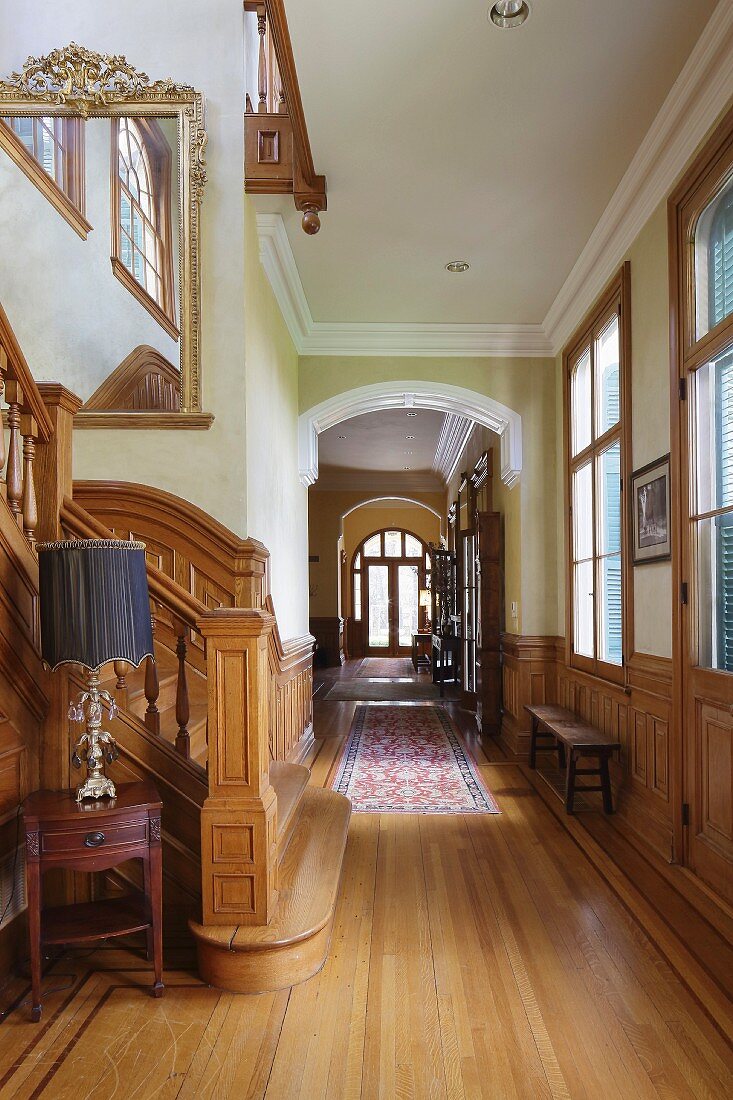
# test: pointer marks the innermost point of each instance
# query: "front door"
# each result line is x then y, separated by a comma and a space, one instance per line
391, 596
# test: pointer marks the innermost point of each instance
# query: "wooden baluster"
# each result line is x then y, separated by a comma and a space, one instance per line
122, 668
3, 372
152, 690
14, 473
29, 431
183, 739
262, 60
279, 91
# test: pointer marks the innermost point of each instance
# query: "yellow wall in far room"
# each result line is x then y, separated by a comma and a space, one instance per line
326, 523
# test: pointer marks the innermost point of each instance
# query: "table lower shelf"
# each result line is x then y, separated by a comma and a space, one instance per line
95, 920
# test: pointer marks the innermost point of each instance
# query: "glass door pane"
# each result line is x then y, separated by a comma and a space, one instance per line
407, 594
378, 590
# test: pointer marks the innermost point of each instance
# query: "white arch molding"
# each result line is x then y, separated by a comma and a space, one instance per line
389, 496
440, 396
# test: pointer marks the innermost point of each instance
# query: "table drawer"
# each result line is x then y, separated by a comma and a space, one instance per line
90, 838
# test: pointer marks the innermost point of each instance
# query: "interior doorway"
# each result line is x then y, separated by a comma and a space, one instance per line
390, 569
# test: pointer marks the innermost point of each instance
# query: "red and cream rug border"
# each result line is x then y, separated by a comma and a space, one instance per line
457, 768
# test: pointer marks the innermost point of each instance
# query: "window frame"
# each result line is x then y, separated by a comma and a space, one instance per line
383, 559
616, 299
69, 200
160, 158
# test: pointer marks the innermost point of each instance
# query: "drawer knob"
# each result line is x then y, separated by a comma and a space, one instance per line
93, 840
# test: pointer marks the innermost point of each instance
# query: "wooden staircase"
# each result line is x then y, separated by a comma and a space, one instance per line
271, 845
220, 720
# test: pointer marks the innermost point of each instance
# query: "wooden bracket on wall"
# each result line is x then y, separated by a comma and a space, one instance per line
277, 153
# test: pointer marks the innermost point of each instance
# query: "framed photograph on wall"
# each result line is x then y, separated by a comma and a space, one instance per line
650, 505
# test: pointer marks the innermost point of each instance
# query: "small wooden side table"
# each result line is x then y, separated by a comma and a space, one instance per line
421, 640
94, 836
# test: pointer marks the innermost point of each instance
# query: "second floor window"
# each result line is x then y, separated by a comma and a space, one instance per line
595, 383
142, 233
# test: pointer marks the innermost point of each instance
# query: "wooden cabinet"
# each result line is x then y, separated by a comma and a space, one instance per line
489, 604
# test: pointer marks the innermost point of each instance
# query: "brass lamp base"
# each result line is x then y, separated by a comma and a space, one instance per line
95, 744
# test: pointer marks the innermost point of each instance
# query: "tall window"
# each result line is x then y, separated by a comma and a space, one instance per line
55, 144
596, 469
712, 436
141, 236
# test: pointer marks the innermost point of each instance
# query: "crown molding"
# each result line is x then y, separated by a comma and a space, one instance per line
698, 97
694, 103
336, 478
374, 338
454, 436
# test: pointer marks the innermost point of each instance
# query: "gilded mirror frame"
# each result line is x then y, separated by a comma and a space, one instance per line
77, 82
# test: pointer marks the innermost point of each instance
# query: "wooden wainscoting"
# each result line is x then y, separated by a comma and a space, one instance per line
529, 675
328, 631
291, 702
638, 716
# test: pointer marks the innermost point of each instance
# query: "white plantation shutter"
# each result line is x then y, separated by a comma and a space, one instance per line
724, 411
721, 262
612, 566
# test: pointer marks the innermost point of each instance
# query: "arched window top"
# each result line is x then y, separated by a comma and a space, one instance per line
390, 542
134, 165
714, 262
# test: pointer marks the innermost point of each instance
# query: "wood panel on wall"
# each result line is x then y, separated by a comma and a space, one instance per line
328, 631
638, 717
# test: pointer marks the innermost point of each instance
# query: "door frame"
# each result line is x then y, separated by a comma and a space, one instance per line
394, 649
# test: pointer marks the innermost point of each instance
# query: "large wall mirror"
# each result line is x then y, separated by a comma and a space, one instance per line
101, 179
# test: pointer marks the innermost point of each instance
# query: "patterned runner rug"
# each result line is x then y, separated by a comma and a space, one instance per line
405, 760
386, 666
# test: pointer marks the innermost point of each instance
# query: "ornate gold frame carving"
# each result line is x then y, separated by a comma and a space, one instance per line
77, 81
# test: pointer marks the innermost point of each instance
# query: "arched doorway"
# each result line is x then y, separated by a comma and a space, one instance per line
415, 394
389, 570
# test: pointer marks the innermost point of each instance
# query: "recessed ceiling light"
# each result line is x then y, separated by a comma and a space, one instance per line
507, 14
405, 467
407, 452
409, 437
412, 414
457, 265
342, 437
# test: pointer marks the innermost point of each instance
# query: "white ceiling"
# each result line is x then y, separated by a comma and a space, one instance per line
377, 442
444, 138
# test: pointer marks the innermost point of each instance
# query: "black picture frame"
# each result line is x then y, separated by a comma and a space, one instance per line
651, 534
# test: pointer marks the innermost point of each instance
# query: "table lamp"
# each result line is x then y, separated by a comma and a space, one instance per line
94, 609
425, 603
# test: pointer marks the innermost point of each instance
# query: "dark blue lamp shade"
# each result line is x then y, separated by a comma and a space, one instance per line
94, 603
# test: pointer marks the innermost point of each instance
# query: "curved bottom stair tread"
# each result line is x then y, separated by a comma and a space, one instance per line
289, 782
294, 945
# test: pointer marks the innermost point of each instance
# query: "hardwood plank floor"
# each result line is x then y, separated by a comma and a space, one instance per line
476, 956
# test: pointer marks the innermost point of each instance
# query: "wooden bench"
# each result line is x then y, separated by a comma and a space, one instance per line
569, 732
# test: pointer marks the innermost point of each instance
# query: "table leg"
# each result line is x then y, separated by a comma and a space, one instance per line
606, 786
156, 906
34, 930
150, 946
560, 753
533, 743
442, 673
570, 781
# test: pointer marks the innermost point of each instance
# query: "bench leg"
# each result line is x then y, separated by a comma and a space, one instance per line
606, 786
570, 781
533, 743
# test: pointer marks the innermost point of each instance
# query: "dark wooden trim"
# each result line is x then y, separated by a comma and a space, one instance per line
616, 295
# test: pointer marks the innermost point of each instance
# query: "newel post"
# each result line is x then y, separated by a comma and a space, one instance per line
239, 817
